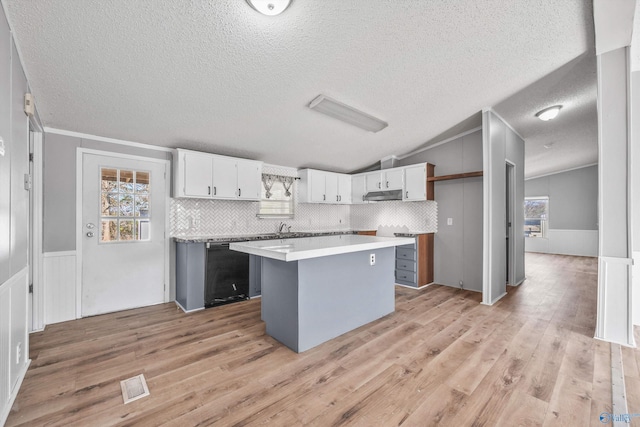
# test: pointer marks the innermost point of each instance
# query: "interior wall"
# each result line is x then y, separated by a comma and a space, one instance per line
635, 192
458, 242
573, 212
14, 225
60, 185
500, 144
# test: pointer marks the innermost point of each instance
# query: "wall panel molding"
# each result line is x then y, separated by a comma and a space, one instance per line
59, 278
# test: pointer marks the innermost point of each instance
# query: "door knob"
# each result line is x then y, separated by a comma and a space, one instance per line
89, 233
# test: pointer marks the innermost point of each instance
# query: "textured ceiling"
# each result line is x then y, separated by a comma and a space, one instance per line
571, 139
219, 77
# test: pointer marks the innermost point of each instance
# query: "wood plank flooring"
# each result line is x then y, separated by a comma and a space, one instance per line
441, 359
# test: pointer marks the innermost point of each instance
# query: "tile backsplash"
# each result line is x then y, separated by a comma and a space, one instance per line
198, 217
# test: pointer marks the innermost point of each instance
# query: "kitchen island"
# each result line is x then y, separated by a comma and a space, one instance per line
317, 288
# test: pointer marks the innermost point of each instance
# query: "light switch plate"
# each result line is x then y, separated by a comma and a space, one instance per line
449, 221
1, 147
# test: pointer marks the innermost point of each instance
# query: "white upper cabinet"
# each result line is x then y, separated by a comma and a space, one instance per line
358, 189
209, 176
249, 179
373, 181
225, 177
324, 187
392, 179
197, 174
344, 188
389, 179
415, 180
331, 187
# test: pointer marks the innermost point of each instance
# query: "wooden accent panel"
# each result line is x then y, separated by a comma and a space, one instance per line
425, 259
454, 176
441, 358
367, 233
431, 171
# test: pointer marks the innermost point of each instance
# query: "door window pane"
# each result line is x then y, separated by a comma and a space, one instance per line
123, 195
126, 181
109, 231
127, 231
142, 182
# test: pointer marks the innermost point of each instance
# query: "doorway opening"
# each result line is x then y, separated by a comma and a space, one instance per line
510, 199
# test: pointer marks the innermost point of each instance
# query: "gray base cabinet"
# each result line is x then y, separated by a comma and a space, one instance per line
414, 263
190, 275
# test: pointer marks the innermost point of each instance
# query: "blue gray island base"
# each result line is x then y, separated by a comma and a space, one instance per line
310, 301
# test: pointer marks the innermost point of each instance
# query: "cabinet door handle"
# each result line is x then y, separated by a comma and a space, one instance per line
363, 197
340, 199
209, 190
215, 191
406, 195
387, 184
379, 184
239, 192
337, 198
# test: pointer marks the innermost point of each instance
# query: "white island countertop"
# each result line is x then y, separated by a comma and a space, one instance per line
314, 247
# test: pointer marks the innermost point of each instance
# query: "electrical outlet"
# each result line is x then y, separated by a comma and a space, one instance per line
372, 259
449, 221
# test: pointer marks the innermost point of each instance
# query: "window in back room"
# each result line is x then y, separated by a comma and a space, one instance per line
536, 216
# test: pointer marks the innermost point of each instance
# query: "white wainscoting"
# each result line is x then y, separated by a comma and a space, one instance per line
614, 323
59, 278
565, 242
14, 341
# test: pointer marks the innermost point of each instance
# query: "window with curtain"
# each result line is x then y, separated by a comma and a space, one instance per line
277, 197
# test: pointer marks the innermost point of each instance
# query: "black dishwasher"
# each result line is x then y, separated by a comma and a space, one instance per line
227, 276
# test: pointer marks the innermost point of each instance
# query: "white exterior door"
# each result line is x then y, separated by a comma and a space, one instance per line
122, 236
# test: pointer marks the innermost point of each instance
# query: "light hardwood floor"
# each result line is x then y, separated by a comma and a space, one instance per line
441, 359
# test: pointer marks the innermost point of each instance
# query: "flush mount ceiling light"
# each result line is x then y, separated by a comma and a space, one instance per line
548, 113
269, 7
347, 114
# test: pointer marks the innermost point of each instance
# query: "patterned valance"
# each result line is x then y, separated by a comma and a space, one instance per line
269, 179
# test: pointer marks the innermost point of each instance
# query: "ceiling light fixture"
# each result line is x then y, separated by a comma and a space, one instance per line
548, 113
347, 114
269, 7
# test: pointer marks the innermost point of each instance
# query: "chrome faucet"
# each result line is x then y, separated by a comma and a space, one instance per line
282, 226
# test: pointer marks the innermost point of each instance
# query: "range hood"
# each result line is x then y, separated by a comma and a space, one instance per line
379, 196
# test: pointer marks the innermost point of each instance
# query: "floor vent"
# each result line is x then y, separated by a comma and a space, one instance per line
134, 388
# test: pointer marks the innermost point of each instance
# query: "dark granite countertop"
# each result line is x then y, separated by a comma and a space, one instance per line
248, 237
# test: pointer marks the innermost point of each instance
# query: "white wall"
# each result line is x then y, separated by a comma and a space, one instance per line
500, 144
14, 226
573, 212
614, 316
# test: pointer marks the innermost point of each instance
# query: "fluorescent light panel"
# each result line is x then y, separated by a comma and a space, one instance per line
347, 114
